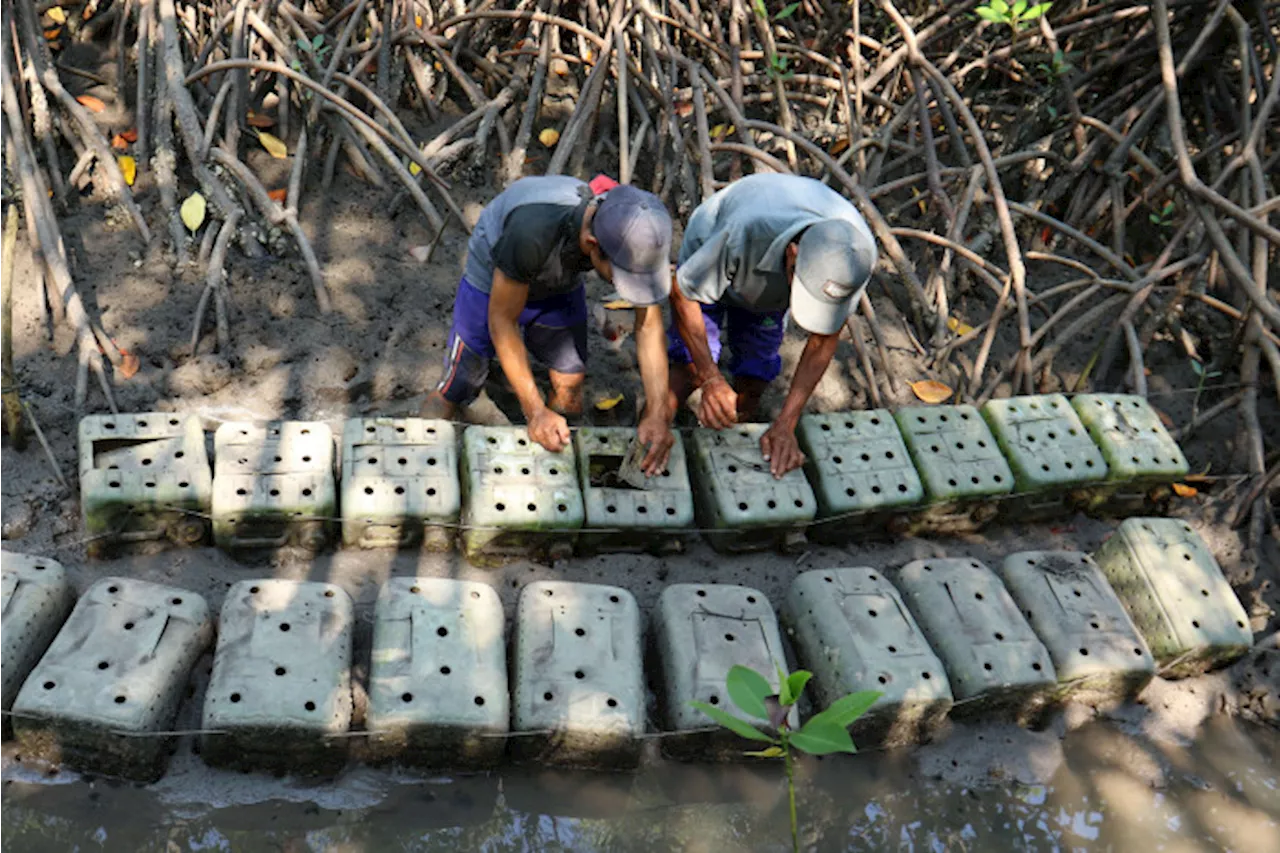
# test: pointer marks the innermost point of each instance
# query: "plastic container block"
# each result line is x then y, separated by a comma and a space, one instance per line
701, 631
1049, 451
959, 462
860, 471
400, 483
994, 661
648, 519
37, 599
273, 485
1097, 653
851, 629
113, 678
519, 499
579, 694
1139, 451
1174, 590
736, 494
438, 686
280, 692
143, 477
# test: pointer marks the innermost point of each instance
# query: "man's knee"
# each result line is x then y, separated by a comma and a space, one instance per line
465, 372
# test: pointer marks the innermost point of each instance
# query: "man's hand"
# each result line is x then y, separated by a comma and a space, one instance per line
780, 449
719, 406
655, 432
549, 429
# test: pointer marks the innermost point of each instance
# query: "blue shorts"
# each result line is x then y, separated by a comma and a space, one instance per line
555, 333
754, 340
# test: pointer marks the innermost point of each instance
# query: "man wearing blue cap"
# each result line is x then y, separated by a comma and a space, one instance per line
522, 294
764, 248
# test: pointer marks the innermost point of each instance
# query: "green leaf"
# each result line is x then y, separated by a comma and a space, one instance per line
747, 688
1037, 10
1000, 7
787, 11
1019, 7
795, 684
1197, 367
771, 752
739, 727
318, 41
303, 44
822, 737
1155, 220
987, 14
845, 710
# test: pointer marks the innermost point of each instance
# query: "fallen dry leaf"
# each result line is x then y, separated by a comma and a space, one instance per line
57, 15
618, 305
278, 195
92, 104
559, 67
1182, 490
192, 211
414, 168
840, 145
274, 146
417, 21
420, 253
684, 109
119, 143
932, 391
608, 403
130, 135
129, 168
52, 33
549, 137
260, 121
129, 364
958, 326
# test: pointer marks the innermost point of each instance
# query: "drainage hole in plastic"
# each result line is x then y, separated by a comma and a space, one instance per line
442, 631
479, 700
128, 626
113, 589
1076, 593
406, 697
875, 490
714, 700
499, 506
444, 670
310, 706
952, 482
871, 613
751, 599
987, 667
999, 636
431, 492
548, 696
978, 596
284, 626
883, 680
850, 491
275, 493
49, 685
838, 460
866, 457
612, 703
399, 490
581, 632
1195, 623
115, 484
532, 507
614, 599
1037, 667
1138, 652
1094, 625
1084, 652
926, 675
235, 697
579, 674
702, 593
893, 649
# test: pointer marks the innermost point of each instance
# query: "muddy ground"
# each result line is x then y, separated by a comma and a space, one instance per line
380, 351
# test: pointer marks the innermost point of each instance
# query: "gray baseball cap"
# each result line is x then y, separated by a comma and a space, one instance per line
634, 230
832, 268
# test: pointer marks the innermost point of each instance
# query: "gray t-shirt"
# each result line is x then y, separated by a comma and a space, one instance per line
530, 232
735, 243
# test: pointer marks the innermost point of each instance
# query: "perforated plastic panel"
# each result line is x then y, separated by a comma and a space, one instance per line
652, 513
1132, 439
954, 452
519, 498
857, 463
400, 483
736, 492
702, 631
1174, 590
144, 476
438, 686
116, 671
851, 629
273, 485
281, 685
37, 598
1044, 442
991, 654
579, 675
1095, 647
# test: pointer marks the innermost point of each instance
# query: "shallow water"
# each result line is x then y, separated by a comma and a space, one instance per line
1105, 787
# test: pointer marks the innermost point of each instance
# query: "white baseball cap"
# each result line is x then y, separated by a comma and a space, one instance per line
833, 264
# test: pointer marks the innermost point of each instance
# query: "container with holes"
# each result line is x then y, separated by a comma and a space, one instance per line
37, 599
279, 697
1139, 451
959, 462
579, 695
519, 499
860, 471
399, 483
1097, 653
1172, 587
273, 485
701, 631
113, 679
1054, 461
741, 505
995, 663
635, 519
438, 686
850, 628
143, 477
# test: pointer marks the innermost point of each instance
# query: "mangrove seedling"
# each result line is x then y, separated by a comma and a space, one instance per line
1016, 15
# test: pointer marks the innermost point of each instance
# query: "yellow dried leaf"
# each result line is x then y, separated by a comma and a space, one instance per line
274, 146
721, 130
931, 391
414, 168
92, 104
417, 21
192, 211
129, 167
840, 145
549, 137
57, 15
608, 403
958, 326
1182, 490
618, 305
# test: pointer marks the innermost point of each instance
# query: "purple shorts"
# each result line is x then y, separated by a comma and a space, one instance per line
754, 340
555, 333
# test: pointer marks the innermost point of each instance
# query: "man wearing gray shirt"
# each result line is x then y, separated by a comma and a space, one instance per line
764, 248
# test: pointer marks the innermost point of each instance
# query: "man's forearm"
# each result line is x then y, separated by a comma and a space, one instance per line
818, 351
651, 353
515, 364
693, 331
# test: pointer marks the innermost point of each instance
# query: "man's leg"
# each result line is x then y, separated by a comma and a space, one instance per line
754, 340
680, 381
555, 333
467, 355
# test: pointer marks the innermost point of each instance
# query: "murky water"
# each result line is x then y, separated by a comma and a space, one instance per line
1106, 789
